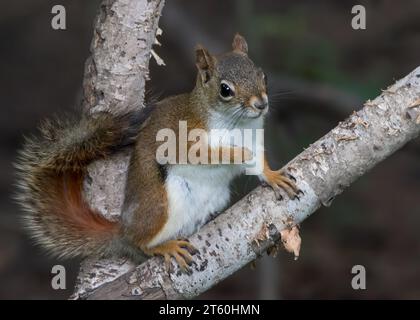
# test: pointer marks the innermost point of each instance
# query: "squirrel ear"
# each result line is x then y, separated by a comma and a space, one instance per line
204, 62
239, 44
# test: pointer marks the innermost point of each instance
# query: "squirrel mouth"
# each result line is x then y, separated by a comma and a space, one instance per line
248, 112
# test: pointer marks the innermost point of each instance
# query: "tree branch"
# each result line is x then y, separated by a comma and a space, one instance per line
246, 230
115, 77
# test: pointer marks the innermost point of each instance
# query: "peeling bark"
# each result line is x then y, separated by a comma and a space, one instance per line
116, 71
291, 240
245, 231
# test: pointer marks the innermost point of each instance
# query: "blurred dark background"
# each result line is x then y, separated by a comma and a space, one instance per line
319, 71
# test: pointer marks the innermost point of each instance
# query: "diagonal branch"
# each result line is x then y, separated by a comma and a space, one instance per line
246, 230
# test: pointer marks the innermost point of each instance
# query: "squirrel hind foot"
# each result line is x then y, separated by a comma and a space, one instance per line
180, 250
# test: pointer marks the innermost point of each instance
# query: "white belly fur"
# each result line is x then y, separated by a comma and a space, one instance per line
194, 192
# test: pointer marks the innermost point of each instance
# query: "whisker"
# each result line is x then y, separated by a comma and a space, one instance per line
230, 124
283, 92
233, 117
239, 117
236, 117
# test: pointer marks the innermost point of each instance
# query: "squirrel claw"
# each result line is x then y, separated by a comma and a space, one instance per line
291, 177
277, 192
191, 249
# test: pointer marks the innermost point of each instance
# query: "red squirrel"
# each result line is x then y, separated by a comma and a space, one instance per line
163, 204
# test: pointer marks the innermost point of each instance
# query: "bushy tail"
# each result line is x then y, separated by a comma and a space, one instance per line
51, 169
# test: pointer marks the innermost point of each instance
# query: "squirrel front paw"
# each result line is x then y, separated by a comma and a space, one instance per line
278, 180
180, 250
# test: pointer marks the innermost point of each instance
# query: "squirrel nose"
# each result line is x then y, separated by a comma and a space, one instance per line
257, 103
260, 105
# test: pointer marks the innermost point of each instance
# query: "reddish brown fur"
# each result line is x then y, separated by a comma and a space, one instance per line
73, 214
75, 210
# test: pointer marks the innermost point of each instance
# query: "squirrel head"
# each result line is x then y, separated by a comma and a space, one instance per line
230, 83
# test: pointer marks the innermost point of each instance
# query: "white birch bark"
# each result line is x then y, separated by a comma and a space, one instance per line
114, 80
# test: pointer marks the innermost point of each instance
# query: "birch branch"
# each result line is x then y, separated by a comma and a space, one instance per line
114, 80
115, 77
246, 230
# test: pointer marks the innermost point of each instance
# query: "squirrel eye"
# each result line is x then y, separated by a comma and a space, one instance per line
226, 91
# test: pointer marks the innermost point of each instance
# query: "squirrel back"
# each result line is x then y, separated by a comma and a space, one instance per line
51, 170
